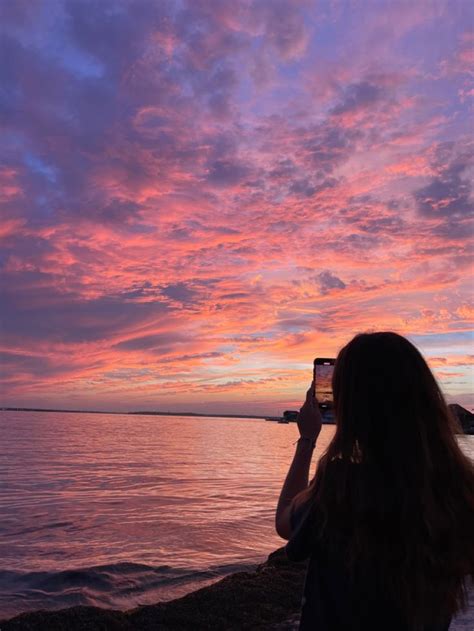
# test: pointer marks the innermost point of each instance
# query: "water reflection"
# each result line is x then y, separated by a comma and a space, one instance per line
86, 490
173, 496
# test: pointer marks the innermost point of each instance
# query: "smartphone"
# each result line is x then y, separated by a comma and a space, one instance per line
322, 376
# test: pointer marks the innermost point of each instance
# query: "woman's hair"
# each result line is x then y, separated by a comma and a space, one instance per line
393, 489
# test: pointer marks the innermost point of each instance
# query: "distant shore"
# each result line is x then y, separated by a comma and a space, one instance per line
141, 412
464, 416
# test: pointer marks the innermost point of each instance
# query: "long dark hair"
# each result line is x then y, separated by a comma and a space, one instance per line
407, 509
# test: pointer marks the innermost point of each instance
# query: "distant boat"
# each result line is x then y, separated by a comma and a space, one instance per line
278, 419
288, 415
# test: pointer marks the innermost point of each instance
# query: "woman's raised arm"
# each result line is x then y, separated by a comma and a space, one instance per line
309, 425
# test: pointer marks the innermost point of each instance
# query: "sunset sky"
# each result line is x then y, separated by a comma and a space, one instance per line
199, 197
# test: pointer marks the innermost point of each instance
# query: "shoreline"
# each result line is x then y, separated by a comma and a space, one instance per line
268, 597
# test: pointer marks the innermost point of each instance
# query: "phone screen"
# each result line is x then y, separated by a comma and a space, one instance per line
323, 370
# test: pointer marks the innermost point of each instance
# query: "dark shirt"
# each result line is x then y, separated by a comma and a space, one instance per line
329, 603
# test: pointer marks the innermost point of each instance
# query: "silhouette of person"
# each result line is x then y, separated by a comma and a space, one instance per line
387, 522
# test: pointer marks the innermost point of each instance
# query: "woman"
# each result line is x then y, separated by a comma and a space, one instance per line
387, 522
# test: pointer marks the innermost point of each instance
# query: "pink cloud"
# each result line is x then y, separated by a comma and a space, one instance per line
233, 189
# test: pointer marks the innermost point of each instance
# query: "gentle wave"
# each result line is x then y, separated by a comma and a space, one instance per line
118, 585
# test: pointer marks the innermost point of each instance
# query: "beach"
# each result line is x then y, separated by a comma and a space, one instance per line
260, 599
267, 598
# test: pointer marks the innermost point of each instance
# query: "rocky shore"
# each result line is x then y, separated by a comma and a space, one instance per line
267, 598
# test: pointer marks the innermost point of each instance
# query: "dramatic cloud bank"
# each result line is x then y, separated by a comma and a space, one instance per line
199, 197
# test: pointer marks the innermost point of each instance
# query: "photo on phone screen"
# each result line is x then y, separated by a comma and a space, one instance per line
323, 370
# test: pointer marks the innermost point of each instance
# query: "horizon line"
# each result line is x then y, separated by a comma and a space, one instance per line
137, 412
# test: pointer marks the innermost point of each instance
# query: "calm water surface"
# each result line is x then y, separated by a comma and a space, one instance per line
119, 510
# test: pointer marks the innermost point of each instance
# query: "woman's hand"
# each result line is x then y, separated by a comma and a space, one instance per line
309, 418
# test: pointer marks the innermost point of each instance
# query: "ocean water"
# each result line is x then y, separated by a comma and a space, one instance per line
121, 510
